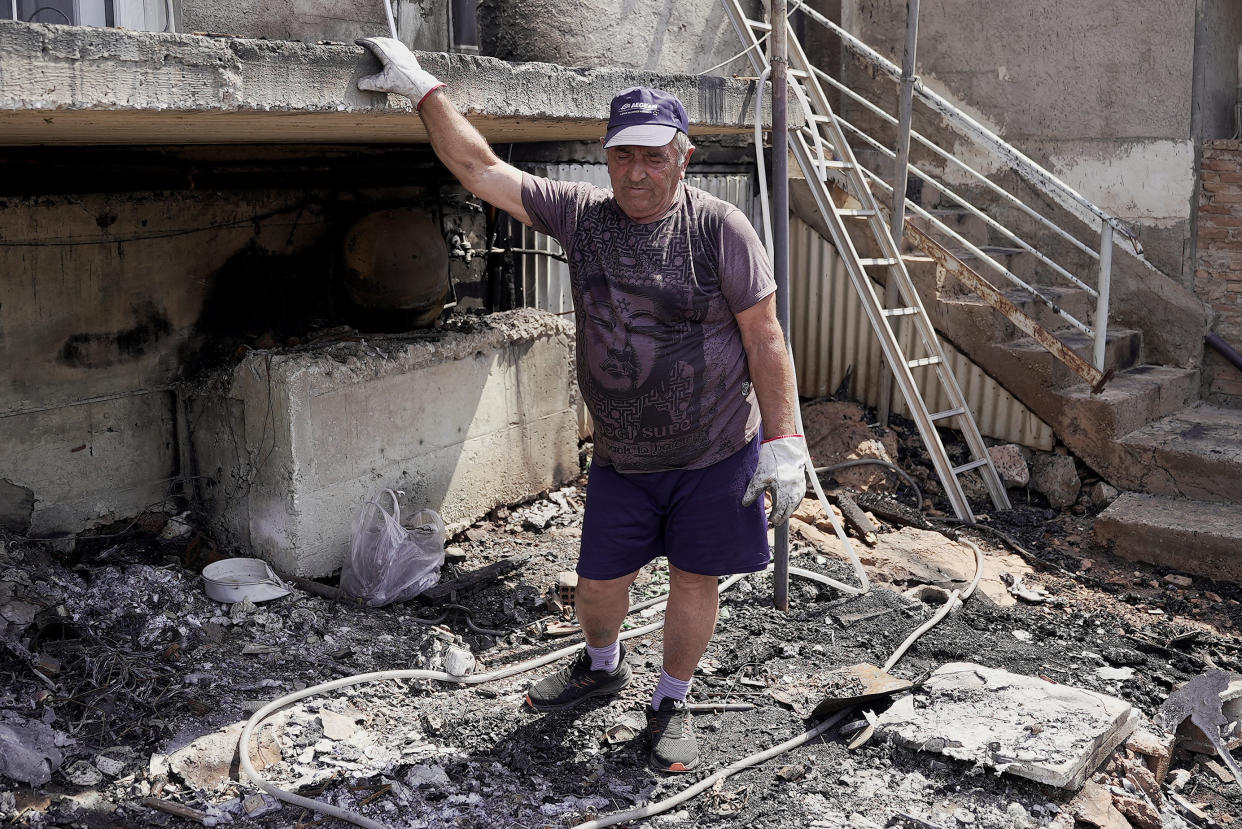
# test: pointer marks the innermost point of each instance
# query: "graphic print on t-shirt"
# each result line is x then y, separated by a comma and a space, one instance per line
645, 346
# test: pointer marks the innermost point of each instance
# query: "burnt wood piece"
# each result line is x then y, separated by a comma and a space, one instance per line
856, 518
472, 581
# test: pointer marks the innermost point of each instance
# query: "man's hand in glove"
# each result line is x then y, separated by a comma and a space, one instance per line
401, 73
782, 472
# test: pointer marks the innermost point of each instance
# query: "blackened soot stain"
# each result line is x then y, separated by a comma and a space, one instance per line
99, 350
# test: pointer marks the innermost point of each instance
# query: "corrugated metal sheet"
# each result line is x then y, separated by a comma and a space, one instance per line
830, 336
545, 280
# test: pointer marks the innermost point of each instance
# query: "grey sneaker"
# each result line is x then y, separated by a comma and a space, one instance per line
576, 682
673, 745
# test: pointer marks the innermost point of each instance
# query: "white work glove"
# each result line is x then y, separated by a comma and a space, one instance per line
401, 73
782, 472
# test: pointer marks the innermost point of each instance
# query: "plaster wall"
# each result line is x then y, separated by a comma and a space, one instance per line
112, 302
422, 24
1099, 93
294, 444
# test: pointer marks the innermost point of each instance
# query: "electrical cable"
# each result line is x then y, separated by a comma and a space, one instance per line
380, 676
877, 462
41, 9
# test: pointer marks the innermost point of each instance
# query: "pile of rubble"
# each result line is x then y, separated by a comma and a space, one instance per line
1070, 690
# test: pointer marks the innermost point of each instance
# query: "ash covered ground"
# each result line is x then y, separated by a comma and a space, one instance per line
118, 667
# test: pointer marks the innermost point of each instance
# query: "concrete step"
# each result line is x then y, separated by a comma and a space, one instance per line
961, 221
1199, 537
1131, 400
1122, 349
1193, 453
1075, 301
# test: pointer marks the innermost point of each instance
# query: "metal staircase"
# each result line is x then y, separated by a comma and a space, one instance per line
861, 235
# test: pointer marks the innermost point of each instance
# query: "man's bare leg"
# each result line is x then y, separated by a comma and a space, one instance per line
601, 606
689, 621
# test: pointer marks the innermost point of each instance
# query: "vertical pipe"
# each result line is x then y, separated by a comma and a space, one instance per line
900, 173
14, 6
1101, 303
392, 23
780, 244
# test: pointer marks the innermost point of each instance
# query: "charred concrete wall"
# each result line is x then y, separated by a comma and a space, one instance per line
1218, 271
1101, 93
130, 272
422, 24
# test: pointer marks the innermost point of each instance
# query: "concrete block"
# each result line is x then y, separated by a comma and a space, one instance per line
1022, 725
293, 444
1199, 537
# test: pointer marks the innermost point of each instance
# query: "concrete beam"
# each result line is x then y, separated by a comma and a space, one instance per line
75, 85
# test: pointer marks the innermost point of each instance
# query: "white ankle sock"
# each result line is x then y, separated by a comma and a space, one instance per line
669, 686
605, 658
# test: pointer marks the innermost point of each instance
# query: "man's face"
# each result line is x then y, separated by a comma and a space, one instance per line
645, 179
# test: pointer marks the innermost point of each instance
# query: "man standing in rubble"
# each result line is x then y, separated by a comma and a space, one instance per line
679, 352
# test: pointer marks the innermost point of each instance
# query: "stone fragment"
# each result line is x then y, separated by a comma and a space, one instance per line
211, 761
257, 805
1010, 465
984, 715
1056, 477
458, 661
1094, 807
110, 766
1101, 494
337, 726
1139, 813
82, 773
1178, 580
29, 751
1155, 749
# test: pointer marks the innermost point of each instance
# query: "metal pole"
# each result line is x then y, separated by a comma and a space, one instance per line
900, 173
1101, 302
780, 245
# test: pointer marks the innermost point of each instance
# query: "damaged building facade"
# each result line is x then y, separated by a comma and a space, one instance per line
186, 220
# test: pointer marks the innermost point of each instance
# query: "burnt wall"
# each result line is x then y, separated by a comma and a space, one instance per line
124, 273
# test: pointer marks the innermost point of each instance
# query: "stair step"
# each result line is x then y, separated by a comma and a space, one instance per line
1132, 399
1193, 453
1074, 301
1199, 537
1121, 351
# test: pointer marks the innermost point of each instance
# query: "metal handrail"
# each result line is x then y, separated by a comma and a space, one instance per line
1026, 167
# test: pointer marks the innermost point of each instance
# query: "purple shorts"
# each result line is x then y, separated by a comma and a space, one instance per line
694, 517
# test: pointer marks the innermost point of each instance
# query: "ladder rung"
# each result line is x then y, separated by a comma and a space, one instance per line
759, 24
834, 165
859, 213
900, 312
798, 73
869, 263
947, 413
958, 470
822, 119
924, 361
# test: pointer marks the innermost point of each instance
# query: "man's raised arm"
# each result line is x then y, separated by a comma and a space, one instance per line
455, 140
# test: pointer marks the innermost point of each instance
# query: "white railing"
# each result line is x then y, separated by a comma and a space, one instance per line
1098, 251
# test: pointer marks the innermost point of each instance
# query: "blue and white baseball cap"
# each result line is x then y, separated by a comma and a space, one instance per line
645, 118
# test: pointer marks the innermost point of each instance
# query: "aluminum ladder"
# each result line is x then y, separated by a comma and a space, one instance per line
824, 156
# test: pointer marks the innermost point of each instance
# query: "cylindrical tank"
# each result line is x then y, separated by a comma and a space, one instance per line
686, 36
396, 261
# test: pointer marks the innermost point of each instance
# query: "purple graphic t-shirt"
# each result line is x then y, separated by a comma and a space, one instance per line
660, 360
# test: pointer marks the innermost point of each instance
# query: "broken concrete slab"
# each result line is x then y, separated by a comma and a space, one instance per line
914, 556
1199, 537
1022, 725
212, 760
77, 85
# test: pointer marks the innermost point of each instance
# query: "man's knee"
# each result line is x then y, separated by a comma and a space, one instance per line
603, 589
691, 582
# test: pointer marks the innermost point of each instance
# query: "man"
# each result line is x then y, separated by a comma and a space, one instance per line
678, 353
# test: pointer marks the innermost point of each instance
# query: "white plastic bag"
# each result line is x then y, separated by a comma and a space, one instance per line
388, 563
